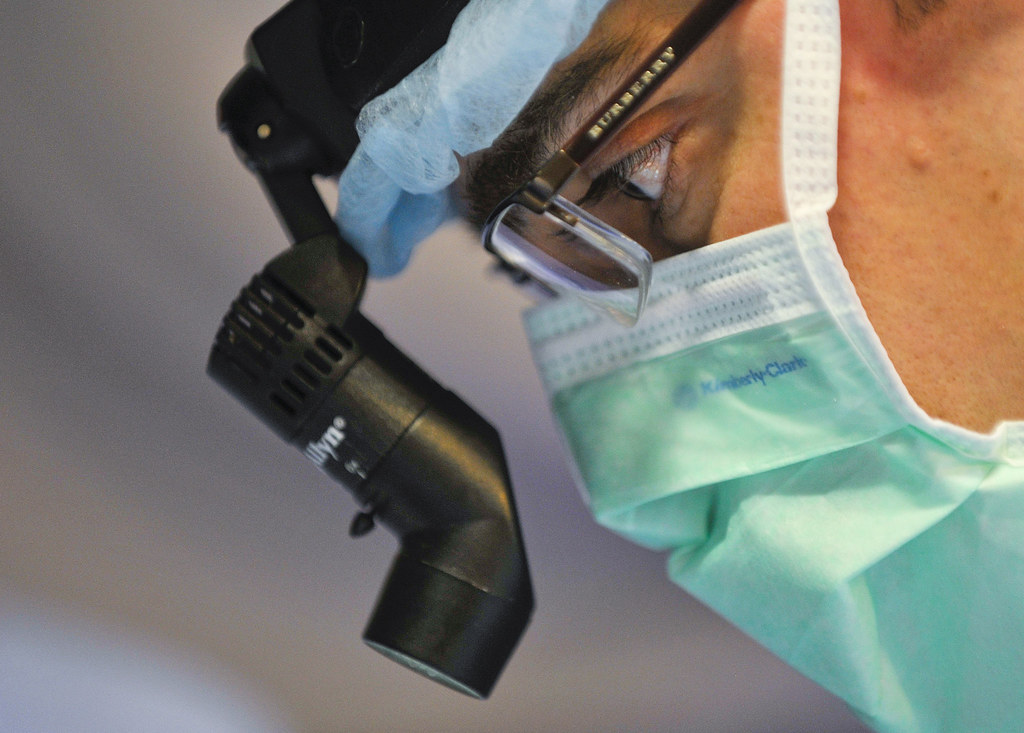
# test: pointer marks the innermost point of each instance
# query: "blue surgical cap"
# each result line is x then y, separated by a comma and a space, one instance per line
395, 191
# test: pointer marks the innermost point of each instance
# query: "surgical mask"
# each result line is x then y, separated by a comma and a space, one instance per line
752, 425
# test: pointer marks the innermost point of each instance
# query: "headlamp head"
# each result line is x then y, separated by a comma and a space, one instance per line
295, 350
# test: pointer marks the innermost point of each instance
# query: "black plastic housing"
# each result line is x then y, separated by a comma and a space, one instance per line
295, 350
416, 457
327, 58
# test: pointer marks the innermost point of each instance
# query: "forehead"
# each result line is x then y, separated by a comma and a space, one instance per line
637, 20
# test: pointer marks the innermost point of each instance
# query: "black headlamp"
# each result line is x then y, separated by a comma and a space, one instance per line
295, 350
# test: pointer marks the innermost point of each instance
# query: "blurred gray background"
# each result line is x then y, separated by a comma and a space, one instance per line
159, 546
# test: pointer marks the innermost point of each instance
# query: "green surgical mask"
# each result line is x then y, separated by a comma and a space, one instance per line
752, 425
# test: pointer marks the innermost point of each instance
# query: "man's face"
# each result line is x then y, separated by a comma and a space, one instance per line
915, 167
699, 162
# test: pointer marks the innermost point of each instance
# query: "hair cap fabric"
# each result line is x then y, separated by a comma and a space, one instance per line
395, 190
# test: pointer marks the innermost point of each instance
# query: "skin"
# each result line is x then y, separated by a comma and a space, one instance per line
930, 215
930, 218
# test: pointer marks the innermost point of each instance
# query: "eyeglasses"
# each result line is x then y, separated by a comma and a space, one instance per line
557, 242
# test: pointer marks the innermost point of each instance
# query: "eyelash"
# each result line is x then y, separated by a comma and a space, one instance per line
617, 177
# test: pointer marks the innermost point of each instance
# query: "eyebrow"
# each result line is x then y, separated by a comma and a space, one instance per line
538, 129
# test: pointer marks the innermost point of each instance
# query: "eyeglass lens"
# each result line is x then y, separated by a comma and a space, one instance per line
572, 251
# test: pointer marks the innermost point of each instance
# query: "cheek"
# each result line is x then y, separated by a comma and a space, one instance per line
728, 168
697, 182
725, 181
746, 153
751, 196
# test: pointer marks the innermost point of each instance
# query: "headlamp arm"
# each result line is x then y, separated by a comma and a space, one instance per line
295, 350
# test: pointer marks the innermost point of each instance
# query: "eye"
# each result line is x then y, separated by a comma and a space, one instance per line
645, 179
640, 175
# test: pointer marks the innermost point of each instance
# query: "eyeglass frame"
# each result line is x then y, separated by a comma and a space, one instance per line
539, 192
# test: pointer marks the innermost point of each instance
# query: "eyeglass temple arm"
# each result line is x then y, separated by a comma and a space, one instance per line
680, 44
